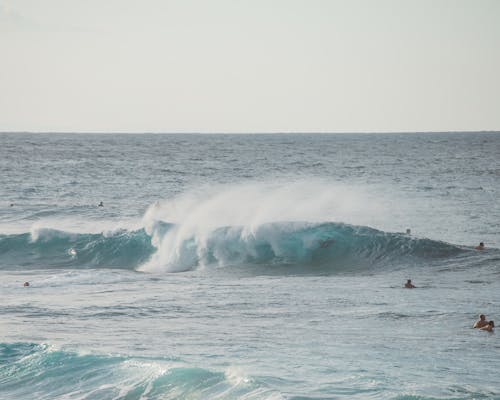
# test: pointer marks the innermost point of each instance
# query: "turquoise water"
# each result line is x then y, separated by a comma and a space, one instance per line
248, 266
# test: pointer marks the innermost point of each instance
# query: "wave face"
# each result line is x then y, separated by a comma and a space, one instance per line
336, 246
30, 370
50, 248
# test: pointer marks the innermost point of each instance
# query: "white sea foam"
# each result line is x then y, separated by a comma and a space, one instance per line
236, 376
47, 229
69, 225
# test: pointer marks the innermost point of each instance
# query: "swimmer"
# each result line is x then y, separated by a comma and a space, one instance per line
488, 327
101, 204
409, 285
408, 231
481, 322
480, 246
26, 284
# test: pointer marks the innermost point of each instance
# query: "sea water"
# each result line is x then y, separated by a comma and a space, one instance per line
249, 266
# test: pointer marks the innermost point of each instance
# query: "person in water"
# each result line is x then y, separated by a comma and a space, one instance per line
409, 285
480, 246
488, 327
323, 244
408, 231
101, 204
26, 284
481, 322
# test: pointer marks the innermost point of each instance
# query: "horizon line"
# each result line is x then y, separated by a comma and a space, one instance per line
245, 133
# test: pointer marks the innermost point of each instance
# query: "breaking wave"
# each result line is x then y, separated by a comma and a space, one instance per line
166, 247
331, 245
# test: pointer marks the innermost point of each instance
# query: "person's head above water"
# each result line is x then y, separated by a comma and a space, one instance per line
481, 322
409, 285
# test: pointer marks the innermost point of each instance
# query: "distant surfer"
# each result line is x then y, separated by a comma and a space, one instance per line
12, 204
481, 322
408, 231
323, 244
480, 246
409, 285
26, 284
101, 204
488, 327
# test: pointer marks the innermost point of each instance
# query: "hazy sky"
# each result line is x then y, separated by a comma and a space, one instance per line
249, 65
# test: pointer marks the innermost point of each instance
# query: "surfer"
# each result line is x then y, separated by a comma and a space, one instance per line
323, 244
481, 322
480, 246
101, 204
488, 327
26, 284
408, 231
409, 285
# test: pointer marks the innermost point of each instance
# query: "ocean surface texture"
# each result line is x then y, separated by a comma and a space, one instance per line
249, 266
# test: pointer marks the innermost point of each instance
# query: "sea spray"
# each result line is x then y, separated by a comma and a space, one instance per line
198, 213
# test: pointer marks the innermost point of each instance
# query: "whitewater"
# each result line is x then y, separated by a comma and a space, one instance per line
249, 266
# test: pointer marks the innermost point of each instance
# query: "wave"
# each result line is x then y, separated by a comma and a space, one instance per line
30, 370
260, 224
44, 372
165, 246
332, 245
52, 248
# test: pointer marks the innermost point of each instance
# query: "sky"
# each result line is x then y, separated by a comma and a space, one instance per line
249, 65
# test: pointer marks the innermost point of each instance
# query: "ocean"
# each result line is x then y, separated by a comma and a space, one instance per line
249, 266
